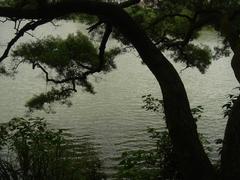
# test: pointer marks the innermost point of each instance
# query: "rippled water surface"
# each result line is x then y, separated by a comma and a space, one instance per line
113, 117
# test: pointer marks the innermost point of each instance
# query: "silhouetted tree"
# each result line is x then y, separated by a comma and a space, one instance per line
151, 28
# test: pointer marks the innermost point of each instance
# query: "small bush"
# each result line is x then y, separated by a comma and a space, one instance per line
34, 151
156, 163
160, 161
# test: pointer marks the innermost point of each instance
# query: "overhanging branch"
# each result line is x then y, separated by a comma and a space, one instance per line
102, 47
91, 70
129, 3
29, 26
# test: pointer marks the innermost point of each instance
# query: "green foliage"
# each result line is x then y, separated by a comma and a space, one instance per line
7, 3
151, 103
85, 19
7, 171
169, 24
168, 31
38, 151
160, 161
38, 101
5, 72
231, 100
157, 163
66, 59
24, 3
194, 56
69, 57
197, 112
156, 105
58, 53
222, 51
143, 15
28, 3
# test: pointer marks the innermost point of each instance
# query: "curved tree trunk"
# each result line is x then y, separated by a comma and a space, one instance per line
230, 158
232, 36
235, 63
193, 161
230, 155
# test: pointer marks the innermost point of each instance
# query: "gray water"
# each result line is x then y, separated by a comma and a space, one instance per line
113, 117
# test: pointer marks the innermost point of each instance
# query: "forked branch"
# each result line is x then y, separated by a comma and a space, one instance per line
29, 26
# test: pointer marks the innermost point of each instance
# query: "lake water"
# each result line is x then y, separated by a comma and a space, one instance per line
113, 117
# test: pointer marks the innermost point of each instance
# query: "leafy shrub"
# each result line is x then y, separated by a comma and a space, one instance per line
160, 161
35, 151
157, 163
232, 98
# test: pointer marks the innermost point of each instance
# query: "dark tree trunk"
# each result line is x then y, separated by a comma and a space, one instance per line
230, 155
230, 159
193, 161
235, 63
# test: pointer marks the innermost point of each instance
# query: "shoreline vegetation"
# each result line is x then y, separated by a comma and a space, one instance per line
33, 150
30, 149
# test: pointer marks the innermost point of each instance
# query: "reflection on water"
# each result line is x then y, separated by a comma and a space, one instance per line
113, 117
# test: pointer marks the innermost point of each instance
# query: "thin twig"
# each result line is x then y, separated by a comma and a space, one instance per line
94, 26
29, 26
30, 34
17, 65
56, 25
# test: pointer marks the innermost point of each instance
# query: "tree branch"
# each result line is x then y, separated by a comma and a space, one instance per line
129, 3
102, 47
71, 79
125, 4
29, 26
84, 76
164, 17
94, 26
230, 160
